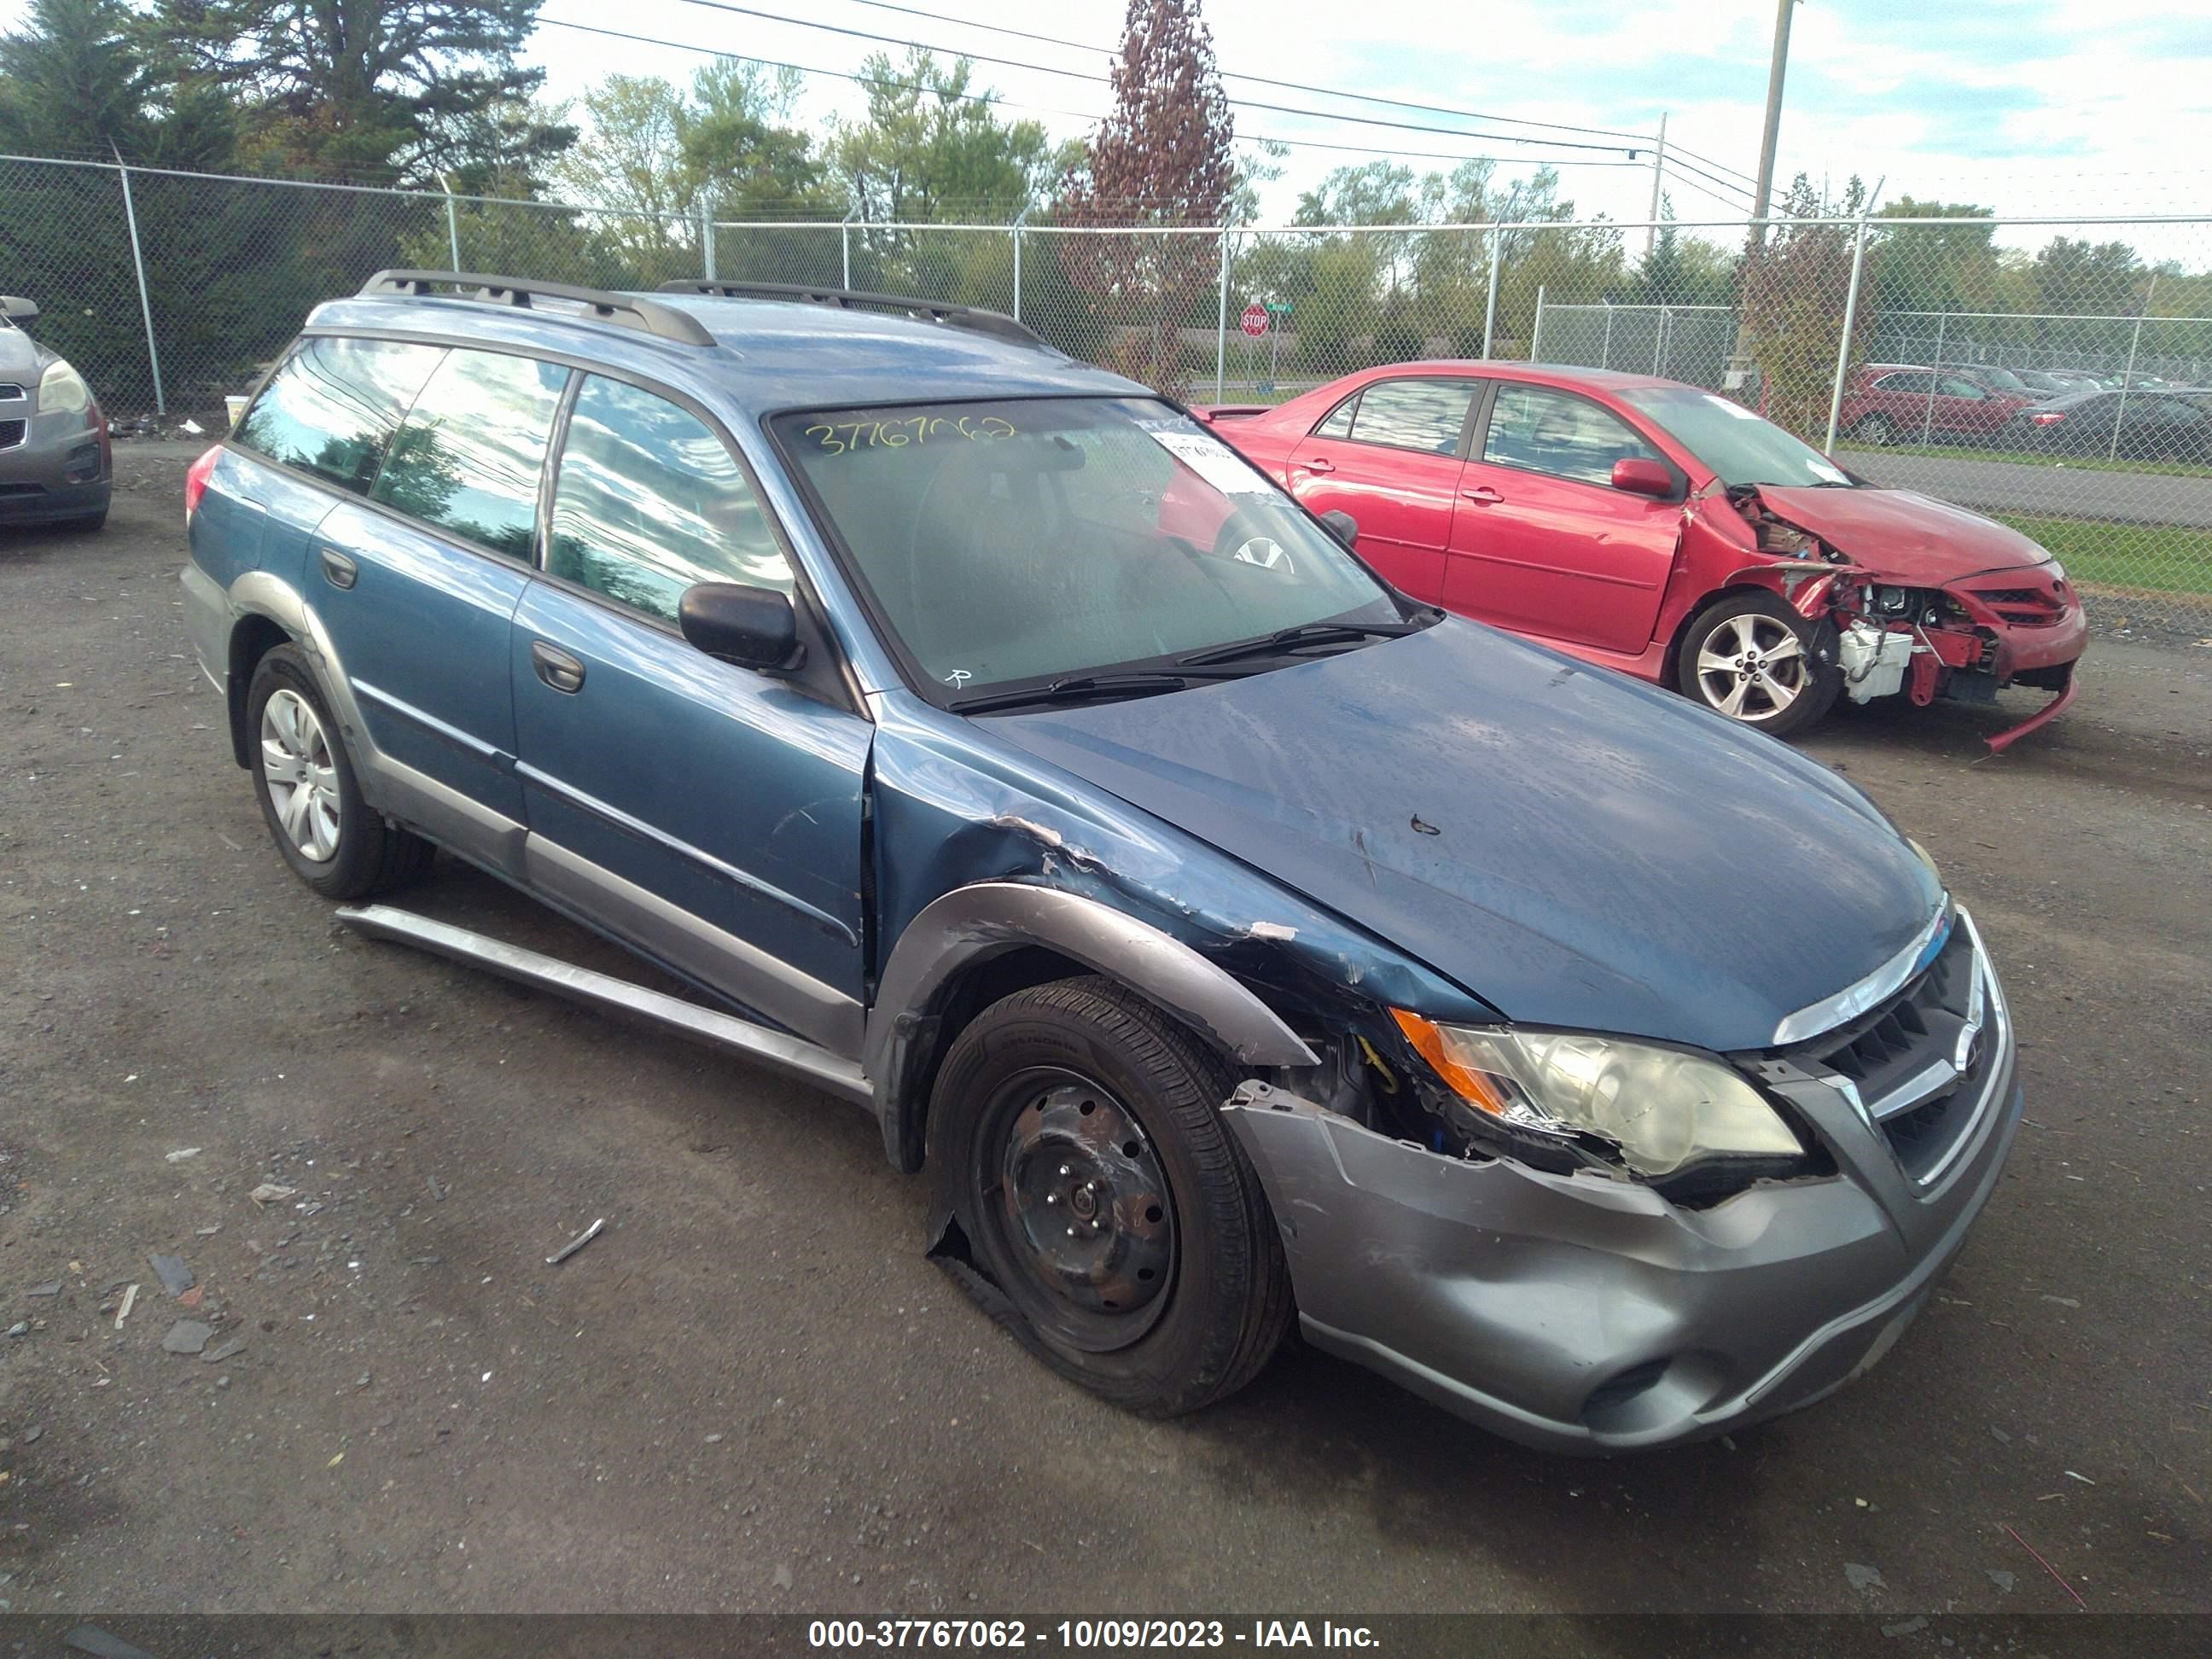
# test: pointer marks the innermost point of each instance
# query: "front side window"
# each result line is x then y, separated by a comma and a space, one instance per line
1039, 539
468, 456
648, 502
1414, 414
333, 407
1740, 446
1541, 430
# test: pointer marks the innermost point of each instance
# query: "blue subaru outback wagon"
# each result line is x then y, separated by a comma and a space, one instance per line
1233, 940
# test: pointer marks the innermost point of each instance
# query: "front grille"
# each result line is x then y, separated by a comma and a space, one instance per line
2024, 607
22, 490
1902, 1058
11, 433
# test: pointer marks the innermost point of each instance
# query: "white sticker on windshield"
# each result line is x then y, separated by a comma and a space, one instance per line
1213, 461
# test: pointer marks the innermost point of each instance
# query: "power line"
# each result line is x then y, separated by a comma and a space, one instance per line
1100, 80
1262, 80
1073, 115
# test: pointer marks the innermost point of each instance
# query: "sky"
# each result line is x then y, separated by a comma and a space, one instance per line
2032, 106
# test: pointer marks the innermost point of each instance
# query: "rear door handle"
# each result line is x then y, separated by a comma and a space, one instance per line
556, 667
1317, 465
338, 570
1483, 494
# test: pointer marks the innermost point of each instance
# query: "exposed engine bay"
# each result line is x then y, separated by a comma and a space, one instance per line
1887, 635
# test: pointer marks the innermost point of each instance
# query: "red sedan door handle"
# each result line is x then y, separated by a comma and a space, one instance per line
1317, 465
1483, 494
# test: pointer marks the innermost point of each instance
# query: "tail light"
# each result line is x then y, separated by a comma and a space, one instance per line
2048, 417
196, 481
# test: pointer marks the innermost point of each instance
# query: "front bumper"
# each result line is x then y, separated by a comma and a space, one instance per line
61, 469
1584, 1314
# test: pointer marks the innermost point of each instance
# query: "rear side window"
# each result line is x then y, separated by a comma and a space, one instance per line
468, 456
648, 502
1339, 422
1921, 381
1556, 432
332, 408
1413, 414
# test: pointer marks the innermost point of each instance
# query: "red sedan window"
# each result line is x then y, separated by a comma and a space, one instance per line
1556, 432
1424, 414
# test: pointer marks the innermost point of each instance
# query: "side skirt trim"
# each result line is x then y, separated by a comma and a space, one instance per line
792, 1055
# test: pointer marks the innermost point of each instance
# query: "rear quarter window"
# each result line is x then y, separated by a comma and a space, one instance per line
331, 409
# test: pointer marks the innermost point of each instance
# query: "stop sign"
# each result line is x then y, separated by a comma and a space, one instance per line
1256, 319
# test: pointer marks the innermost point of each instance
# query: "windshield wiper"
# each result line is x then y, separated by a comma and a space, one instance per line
1290, 639
1075, 688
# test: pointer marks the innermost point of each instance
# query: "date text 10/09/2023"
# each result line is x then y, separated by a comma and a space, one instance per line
1086, 1635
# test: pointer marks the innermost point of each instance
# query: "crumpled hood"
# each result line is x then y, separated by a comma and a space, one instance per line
1573, 848
1898, 533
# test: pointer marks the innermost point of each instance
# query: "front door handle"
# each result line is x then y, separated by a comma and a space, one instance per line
556, 667
1317, 465
338, 570
1483, 494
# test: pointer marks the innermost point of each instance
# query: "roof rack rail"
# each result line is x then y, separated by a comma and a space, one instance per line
995, 322
602, 305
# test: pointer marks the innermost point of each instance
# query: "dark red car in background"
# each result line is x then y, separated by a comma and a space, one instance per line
1896, 403
1659, 529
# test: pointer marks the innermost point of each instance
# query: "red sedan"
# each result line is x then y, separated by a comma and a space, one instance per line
1896, 403
1659, 529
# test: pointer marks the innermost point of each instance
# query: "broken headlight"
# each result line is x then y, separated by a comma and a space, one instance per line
1660, 1109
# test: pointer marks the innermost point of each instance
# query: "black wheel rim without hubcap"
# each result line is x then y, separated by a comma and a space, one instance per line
1075, 1190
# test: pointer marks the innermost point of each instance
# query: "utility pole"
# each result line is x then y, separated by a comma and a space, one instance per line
1658, 162
1765, 189
1738, 373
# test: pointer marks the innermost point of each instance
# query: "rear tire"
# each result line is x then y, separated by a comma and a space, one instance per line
1749, 657
1080, 1145
310, 798
1875, 429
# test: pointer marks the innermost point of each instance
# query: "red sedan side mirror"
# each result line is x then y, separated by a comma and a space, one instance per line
1639, 475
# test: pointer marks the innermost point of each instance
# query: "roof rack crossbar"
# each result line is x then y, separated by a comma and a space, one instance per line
602, 305
995, 322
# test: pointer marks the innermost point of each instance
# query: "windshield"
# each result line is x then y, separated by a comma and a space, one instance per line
1040, 539
1740, 446
2002, 379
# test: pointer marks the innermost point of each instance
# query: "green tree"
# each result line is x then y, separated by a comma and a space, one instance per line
411, 89
1795, 284
85, 78
1935, 267
931, 148
2079, 278
1679, 272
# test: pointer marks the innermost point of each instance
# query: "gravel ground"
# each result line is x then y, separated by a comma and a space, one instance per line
752, 1393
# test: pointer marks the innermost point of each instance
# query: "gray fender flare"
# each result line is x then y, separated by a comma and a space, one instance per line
971, 924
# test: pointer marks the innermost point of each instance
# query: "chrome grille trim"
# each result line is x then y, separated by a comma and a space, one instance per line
1816, 1018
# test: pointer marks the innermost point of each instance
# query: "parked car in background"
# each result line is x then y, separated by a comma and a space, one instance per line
56, 465
1896, 403
1234, 939
2139, 425
1663, 531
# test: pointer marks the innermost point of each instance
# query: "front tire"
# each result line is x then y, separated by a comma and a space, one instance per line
1748, 656
310, 798
1080, 1147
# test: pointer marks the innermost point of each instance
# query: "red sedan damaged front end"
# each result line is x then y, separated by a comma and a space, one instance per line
1920, 597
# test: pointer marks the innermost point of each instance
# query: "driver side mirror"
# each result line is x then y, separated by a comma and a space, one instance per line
1342, 526
1639, 475
752, 627
17, 309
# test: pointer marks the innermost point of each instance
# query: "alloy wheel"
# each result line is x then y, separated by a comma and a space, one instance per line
1752, 667
302, 779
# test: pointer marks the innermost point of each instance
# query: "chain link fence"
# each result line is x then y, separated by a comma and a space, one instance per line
2054, 374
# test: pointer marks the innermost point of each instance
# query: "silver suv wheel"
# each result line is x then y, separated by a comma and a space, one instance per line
303, 784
